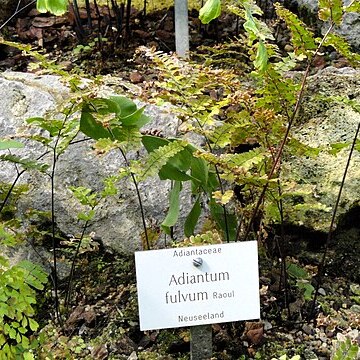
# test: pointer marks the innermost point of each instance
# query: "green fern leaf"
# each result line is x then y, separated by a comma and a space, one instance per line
342, 47
192, 218
245, 161
354, 6
302, 39
158, 158
129, 137
10, 144
26, 163
174, 208
331, 10
221, 136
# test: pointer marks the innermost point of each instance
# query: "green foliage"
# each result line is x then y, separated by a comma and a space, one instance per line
42, 60
346, 350
354, 6
210, 11
302, 279
174, 208
157, 158
56, 7
116, 118
26, 163
207, 238
261, 117
331, 10
302, 39
241, 125
192, 218
10, 144
18, 289
256, 31
343, 48
284, 357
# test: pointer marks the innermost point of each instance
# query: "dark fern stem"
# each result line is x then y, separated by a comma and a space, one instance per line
282, 253
72, 270
321, 269
55, 158
79, 29
138, 194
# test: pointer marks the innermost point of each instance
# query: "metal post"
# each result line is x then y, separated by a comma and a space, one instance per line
201, 342
181, 28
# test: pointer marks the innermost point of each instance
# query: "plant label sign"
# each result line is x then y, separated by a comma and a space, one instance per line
199, 285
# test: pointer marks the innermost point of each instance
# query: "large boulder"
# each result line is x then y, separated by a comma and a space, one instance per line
323, 122
118, 221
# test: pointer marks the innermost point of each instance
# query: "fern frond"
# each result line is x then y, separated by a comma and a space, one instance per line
208, 238
302, 39
245, 161
343, 48
221, 136
129, 137
157, 159
354, 6
26, 163
331, 10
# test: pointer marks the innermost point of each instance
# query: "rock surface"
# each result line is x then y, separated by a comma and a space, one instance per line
118, 222
320, 124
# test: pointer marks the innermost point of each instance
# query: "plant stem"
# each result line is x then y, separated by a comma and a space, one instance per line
71, 275
139, 199
53, 234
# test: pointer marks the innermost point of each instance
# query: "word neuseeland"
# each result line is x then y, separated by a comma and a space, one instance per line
200, 317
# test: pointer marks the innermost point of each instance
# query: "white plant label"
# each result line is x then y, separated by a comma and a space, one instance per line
199, 285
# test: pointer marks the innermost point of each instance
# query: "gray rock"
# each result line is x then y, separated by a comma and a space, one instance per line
322, 292
118, 222
320, 124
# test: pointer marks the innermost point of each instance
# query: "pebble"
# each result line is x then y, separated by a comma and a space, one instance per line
322, 292
267, 325
309, 330
323, 337
133, 356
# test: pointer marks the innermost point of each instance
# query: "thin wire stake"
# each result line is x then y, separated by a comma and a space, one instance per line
321, 269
